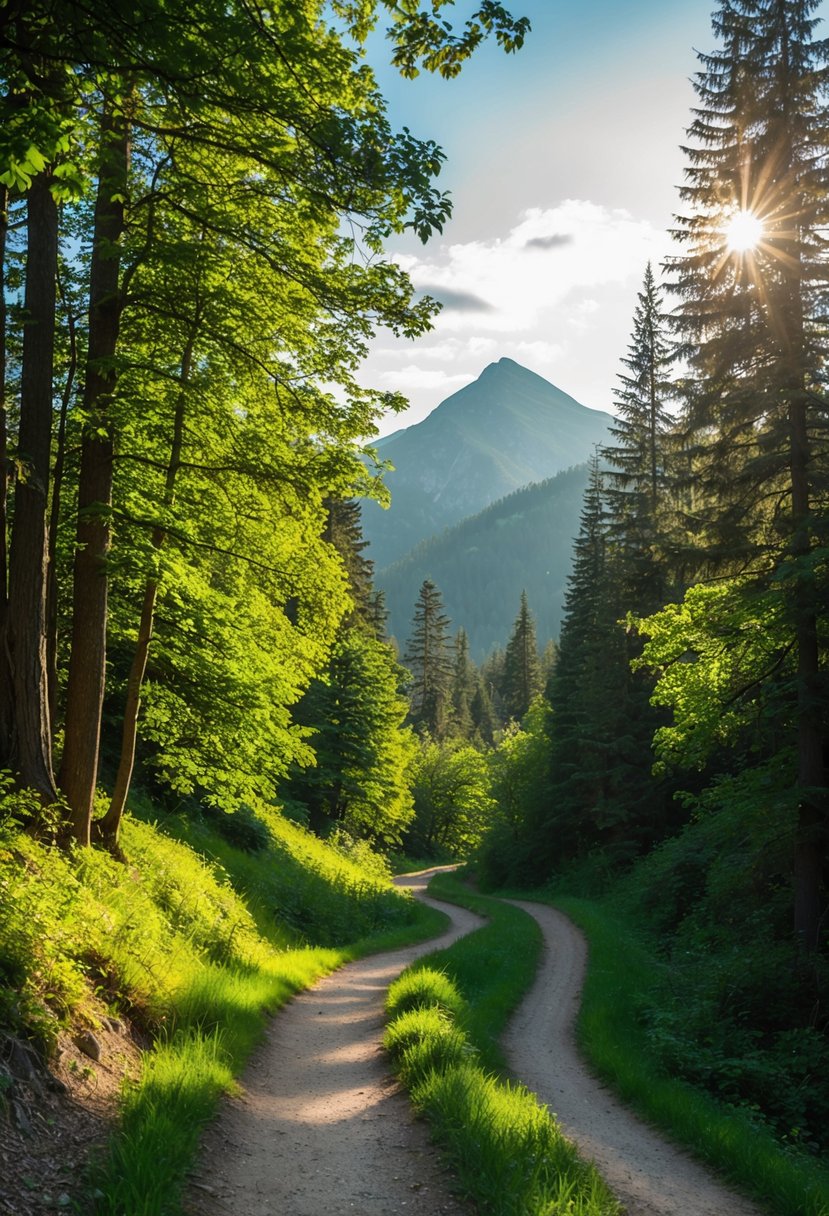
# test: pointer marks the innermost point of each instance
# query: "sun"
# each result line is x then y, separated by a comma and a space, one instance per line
743, 232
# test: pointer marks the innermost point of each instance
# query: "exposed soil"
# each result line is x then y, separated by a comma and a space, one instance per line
53, 1118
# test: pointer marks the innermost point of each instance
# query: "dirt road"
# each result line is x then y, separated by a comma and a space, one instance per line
321, 1127
650, 1176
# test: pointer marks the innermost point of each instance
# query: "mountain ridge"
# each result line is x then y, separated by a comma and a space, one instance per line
507, 429
481, 564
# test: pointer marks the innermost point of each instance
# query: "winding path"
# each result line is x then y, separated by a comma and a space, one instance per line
321, 1128
649, 1175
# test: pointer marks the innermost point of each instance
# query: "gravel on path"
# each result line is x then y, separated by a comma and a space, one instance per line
651, 1176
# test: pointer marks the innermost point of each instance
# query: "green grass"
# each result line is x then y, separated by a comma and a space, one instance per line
446, 1014
197, 942
622, 980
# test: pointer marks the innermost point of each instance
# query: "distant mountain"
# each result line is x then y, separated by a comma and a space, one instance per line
507, 429
524, 541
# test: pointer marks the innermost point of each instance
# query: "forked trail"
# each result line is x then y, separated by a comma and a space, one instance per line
321, 1128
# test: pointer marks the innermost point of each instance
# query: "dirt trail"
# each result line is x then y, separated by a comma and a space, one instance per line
321, 1127
650, 1176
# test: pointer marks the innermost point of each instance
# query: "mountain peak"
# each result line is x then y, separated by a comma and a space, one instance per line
502, 431
503, 365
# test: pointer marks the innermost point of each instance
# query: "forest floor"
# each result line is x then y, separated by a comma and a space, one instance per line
320, 1125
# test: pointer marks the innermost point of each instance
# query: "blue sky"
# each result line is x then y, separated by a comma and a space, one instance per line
563, 162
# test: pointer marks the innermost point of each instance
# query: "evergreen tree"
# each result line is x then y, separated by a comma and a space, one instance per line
343, 530
359, 778
492, 682
429, 660
636, 476
522, 667
464, 686
753, 331
601, 791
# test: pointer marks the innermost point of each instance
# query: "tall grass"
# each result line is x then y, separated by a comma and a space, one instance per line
196, 941
446, 1014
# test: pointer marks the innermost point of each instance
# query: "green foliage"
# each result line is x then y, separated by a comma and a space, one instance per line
640, 473
722, 657
522, 666
195, 940
361, 750
317, 893
425, 1041
519, 775
421, 987
428, 658
452, 800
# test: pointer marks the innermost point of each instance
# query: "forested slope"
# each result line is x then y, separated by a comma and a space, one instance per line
522, 541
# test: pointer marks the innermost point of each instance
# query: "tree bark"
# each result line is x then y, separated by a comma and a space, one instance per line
811, 842
5, 674
107, 828
31, 743
87, 662
54, 522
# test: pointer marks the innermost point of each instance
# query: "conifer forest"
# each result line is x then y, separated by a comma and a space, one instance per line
213, 753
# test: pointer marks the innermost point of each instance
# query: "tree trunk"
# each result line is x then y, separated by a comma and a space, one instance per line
810, 848
54, 522
87, 662
107, 828
5, 674
31, 743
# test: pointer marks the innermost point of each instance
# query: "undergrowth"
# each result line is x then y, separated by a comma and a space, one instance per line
446, 1013
195, 940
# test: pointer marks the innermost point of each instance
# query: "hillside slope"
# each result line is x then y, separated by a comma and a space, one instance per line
507, 429
524, 541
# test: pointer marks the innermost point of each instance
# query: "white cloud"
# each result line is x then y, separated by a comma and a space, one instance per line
560, 287
547, 256
414, 377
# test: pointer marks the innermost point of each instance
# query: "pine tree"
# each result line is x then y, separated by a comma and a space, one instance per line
601, 791
429, 659
753, 329
343, 530
464, 685
522, 666
637, 473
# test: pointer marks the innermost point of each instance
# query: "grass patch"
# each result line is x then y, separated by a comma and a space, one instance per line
196, 940
446, 1014
623, 981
